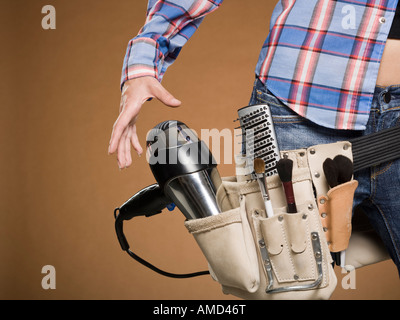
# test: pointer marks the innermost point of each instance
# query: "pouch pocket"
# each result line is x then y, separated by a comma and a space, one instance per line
336, 213
227, 243
291, 251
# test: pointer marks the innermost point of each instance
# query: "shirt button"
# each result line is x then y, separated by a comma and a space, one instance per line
382, 20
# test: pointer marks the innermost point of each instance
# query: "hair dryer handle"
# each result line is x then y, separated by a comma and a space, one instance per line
147, 202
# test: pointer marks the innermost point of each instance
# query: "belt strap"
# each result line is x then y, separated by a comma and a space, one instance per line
373, 149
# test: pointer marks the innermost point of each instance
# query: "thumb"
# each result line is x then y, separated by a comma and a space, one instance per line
165, 97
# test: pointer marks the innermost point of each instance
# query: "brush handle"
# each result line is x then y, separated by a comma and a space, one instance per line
264, 192
267, 199
268, 208
291, 202
343, 259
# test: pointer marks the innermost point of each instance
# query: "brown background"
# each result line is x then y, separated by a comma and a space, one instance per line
59, 99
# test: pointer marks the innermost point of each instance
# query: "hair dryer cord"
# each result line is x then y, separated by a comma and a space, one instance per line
164, 273
125, 247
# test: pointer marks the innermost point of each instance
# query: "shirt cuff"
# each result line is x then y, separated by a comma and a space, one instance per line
143, 58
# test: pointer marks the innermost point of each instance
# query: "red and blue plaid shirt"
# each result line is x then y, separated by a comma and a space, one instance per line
321, 57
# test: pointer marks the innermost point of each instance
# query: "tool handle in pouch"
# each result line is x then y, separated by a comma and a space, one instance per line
335, 210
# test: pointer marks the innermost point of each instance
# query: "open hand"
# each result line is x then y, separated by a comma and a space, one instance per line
135, 93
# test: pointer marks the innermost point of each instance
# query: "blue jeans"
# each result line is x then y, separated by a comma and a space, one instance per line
378, 193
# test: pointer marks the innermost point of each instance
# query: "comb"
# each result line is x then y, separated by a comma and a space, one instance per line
258, 136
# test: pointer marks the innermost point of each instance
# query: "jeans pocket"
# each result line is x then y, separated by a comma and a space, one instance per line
292, 130
289, 126
279, 111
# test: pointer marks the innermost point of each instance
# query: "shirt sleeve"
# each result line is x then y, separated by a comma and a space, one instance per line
168, 26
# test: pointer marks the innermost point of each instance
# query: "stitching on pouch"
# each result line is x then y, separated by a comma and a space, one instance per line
310, 253
289, 253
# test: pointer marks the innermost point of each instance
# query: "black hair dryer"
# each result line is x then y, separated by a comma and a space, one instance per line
186, 175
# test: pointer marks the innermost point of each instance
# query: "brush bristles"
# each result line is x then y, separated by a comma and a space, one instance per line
285, 168
331, 172
345, 167
259, 165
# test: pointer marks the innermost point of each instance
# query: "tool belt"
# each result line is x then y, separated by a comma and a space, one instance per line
286, 256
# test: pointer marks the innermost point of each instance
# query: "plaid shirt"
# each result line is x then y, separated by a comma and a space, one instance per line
321, 57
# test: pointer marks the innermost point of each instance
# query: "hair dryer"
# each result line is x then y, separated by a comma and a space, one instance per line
186, 175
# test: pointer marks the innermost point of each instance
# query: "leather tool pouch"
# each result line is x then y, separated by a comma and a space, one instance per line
286, 256
336, 213
336, 204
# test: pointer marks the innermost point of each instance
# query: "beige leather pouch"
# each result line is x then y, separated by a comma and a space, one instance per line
287, 240
285, 256
336, 213
290, 252
293, 254
336, 204
227, 243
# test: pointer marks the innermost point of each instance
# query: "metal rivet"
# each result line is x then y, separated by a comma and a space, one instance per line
318, 254
346, 146
316, 174
323, 215
296, 277
382, 20
312, 151
310, 206
302, 154
325, 229
280, 218
304, 216
314, 236
262, 243
322, 201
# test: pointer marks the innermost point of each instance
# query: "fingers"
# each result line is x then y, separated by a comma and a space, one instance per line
124, 157
128, 156
135, 141
121, 156
126, 117
134, 93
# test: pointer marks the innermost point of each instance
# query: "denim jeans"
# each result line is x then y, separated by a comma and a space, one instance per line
378, 193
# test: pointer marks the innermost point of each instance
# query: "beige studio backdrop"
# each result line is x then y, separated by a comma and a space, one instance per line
59, 99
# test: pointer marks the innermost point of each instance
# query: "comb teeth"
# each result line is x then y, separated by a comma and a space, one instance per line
258, 136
